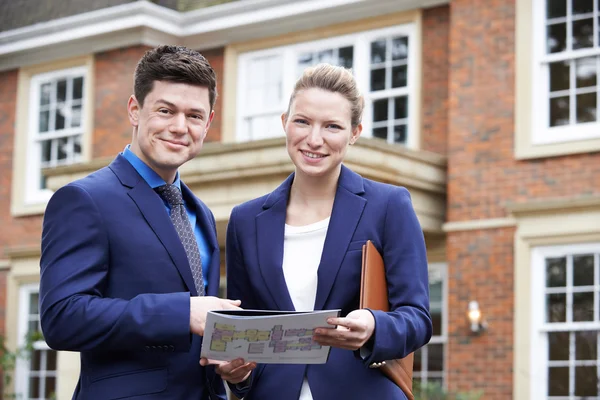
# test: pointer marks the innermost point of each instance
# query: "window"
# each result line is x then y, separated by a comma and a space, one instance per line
383, 62
566, 40
566, 334
36, 372
429, 360
55, 126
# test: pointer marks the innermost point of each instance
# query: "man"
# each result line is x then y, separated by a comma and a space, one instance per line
130, 259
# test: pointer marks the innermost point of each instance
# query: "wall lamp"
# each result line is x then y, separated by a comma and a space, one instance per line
478, 324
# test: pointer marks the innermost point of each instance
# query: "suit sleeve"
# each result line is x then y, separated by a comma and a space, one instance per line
238, 288
407, 327
75, 264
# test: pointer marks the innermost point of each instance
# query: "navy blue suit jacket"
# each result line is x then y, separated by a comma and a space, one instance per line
115, 286
362, 210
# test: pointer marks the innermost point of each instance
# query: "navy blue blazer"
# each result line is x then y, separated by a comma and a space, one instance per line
362, 210
115, 286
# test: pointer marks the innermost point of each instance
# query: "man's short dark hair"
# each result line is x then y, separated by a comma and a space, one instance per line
173, 64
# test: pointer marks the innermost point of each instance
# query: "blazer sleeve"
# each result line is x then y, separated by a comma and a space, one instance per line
75, 265
407, 327
238, 287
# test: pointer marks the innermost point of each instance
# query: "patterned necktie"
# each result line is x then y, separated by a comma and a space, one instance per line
172, 195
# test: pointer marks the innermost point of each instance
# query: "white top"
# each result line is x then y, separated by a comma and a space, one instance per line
302, 249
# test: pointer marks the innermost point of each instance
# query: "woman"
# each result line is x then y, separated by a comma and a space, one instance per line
299, 247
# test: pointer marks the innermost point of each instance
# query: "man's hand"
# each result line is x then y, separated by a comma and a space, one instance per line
234, 372
200, 305
351, 333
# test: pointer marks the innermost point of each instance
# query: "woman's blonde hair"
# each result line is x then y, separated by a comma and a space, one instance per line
334, 79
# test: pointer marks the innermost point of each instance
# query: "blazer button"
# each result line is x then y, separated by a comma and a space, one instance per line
172, 348
146, 348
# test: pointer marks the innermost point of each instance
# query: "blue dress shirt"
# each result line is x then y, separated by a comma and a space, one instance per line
154, 180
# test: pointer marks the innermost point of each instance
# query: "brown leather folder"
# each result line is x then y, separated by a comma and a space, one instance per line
374, 295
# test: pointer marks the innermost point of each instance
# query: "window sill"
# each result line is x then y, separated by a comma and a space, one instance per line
524, 151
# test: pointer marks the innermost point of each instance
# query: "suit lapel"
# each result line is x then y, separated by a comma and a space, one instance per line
153, 210
347, 210
270, 230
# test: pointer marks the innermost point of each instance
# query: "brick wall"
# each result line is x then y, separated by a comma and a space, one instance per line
482, 172
435, 79
482, 176
22, 231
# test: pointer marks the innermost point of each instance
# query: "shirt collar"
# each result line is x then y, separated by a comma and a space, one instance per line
147, 173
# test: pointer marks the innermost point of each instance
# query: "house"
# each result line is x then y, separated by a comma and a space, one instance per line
487, 111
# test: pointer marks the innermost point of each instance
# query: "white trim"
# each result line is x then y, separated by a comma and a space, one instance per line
360, 42
33, 193
476, 224
143, 22
22, 368
539, 328
541, 133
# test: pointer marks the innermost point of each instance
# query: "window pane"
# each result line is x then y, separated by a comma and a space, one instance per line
556, 307
380, 110
378, 79
50, 387
76, 116
380, 133
51, 360
417, 363
45, 91
399, 78
44, 118
559, 76
32, 327
346, 55
399, 48
59, 118
34, 387
63, 149
33, 303
558, 346
557, 38
378, 51
583, 306
400, 134
77, 88
583, 34
556, 8
400, 107
35, 363
559, 111
586, 381
556, 272
583, 270
435, 357
61, 90
585, 71
586, 107
46, 150
582, 6
326, 56
558, 381
76, 146
586, 345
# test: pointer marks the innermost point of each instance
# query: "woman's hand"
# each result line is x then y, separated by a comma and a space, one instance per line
352, 332
234, 372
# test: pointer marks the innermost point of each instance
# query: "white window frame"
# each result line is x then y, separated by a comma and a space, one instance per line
540, 328
542, 133
423, 374
360, 42
22, 371
33, 193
